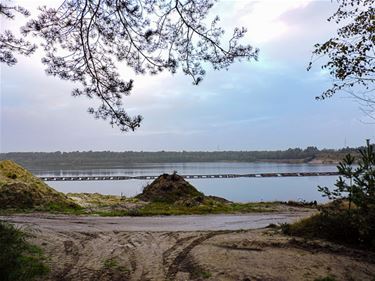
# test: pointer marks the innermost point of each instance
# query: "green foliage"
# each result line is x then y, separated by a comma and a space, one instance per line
350, 217
61, 208
206, 274
344, 187
110, 263
93, 159
331, 226
351, 61
207, 207
357, 186
19, 260
113, 264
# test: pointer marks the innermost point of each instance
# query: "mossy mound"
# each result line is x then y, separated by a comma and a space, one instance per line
19, 189
171, 189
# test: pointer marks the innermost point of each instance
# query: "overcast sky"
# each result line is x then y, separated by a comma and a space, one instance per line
267, 104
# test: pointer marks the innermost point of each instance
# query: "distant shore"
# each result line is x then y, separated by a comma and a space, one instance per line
117, 160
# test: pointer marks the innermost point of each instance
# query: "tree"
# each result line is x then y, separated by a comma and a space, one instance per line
84, 39
357, 186
9, 44
351, 54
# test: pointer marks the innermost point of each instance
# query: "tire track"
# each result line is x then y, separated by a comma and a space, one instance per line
175, 265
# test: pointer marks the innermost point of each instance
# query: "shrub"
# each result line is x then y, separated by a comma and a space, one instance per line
19, 260
350, 217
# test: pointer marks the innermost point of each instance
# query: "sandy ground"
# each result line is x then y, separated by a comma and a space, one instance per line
94, 248
161, 223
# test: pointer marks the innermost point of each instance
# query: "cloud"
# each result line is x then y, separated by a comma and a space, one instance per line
255, 105
263, 18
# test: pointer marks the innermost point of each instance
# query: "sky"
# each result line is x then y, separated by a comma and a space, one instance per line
265, 105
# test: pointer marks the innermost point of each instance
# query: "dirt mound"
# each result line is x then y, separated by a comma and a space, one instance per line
21, 189
170, 189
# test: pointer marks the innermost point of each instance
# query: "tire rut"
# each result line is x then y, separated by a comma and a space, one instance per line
175, 265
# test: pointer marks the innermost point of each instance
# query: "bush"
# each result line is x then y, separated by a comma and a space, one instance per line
331, 227
19, 260
350, 217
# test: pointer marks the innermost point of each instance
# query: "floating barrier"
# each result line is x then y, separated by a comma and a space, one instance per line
221, 176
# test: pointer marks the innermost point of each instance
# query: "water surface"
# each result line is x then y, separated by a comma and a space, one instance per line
235, 189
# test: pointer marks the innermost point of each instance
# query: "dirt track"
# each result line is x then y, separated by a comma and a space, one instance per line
94, 248
166, 223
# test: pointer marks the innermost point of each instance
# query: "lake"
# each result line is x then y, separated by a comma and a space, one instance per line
234, 189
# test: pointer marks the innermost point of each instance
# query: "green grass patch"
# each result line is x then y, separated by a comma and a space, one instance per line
153, 209
110, 263
206, 274
210, 207
48, 208
113, 264
58, 208
19, 260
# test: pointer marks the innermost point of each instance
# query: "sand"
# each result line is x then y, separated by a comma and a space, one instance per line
95, 248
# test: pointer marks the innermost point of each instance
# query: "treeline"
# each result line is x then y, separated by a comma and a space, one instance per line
108, 159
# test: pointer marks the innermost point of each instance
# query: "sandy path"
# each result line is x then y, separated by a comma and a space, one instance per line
163, 249
165, 223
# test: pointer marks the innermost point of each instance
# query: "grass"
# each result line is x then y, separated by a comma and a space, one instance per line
116, 207
97, 199
206, 274
19, 260
210, 207
110, 206
50, 208
19, 189
112, 264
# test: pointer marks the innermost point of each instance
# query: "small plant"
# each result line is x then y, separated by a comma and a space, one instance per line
110, 263
206, 274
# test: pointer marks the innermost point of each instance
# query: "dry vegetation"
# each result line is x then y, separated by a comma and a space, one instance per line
19, 189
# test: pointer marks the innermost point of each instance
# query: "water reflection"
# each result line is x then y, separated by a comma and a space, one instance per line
191, 168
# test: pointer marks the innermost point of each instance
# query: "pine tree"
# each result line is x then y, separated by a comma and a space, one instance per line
356, 185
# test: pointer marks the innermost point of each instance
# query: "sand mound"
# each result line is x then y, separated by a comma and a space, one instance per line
170, 189
21, 189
